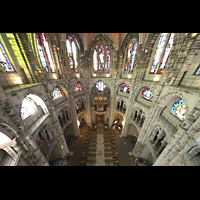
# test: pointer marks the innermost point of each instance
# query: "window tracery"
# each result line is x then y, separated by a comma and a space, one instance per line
77, 87
147, 94
125, 88
72, 54
162, 53
179, 110
57, 93
44, 52
5, 61
101, 59
130, 56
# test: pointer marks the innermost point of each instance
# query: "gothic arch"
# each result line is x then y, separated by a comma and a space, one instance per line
7, 129
107, 83
34, 92
79, 39
126, 39
166, 99
101, 37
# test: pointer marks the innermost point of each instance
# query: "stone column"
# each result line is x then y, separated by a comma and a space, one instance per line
160, 135
167, 153
163, 143
58, 131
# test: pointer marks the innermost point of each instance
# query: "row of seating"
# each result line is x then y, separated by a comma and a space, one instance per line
110, 154
89, 153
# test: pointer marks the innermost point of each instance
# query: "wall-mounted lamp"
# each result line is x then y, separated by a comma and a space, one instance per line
54, 76
193, 35
94, 75
129, 76
156, 78
107, 75
18, 80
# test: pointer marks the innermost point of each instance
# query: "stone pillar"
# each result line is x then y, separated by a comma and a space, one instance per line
167, 153
58, 131
163, 143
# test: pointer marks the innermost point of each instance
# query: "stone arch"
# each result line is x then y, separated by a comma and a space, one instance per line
35, 92
97, 38
7, 130
122, 82
82, 117
139, 89
79, 39
55, 154
166, 99
61, 87
126, 39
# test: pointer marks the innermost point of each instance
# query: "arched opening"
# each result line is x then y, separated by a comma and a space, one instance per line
83, 119
70, 138
33, 111
118, 122
45, 139
100, 96
121, 106
132, 135
55, 154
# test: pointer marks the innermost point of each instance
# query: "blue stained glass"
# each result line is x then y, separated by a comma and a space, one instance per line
181, 102
173, 109
176, 104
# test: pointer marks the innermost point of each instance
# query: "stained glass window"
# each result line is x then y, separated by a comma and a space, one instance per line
95, 61
47, 51
164, 45
28, 108
100, 86
101, 59
5, 61
147, 94
77, 87
107, 61
72, 54
179, 110
130, 56
166, 53
125, 88
56, 93
41, 53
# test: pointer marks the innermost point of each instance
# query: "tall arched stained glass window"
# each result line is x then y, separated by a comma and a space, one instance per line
44, 52
107, 61
72, 50
162, 53
95, 61
130, 56
101, 59
5, 61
